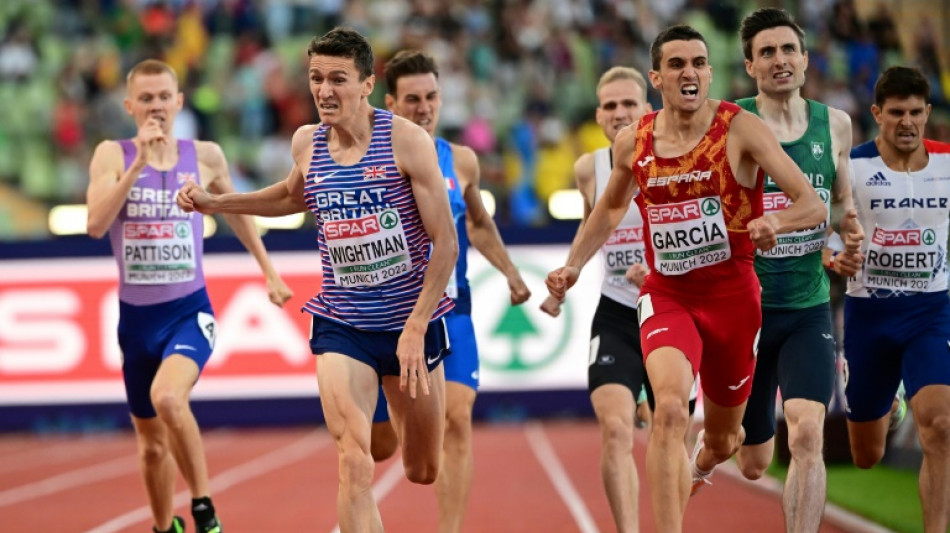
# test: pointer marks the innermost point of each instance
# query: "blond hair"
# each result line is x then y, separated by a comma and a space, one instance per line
623, 73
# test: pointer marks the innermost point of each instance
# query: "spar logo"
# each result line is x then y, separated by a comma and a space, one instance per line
778, 201
711, 206
151, 230
681, 212
347, 229
182, 229
624, 236
901, 237
389, 219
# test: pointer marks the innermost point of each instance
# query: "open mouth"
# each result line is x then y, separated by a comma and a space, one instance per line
906, 135
690, 89
782, 75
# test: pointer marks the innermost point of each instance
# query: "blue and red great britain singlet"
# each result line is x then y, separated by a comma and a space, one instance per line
694, 211
374, 250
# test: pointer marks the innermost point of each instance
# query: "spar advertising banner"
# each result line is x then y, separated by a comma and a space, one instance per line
58, 322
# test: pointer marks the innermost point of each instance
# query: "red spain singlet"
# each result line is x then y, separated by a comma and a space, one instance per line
702, 296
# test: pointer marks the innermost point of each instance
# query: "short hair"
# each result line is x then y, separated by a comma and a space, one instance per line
901, 82
623, 73
408, 63
763, 19
345, 42
680, 32
150, 67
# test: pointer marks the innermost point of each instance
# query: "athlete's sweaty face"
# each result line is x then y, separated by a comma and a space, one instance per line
154, 96
622, 103
337, 88
902, 121
778, 62
417, 98
684, 75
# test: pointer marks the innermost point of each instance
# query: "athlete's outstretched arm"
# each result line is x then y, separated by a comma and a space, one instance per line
585, 180
759, 144
482, 230
844, 217
282, 198
606, 215
216, 177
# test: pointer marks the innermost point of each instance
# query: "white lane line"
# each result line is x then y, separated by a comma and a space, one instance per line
390, 478
83, 476
229, 478
545, 453
74, 478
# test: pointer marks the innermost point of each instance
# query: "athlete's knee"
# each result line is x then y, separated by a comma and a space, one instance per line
422, 472
458, 421
153, 452
867, 454
935, 434
805, 439
616, 433
751, 464
356, 469
671, 414
168, 405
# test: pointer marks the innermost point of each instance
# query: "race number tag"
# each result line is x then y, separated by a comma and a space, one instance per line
796, 243
367, 251
158, 253
623, 249
688, 235
902, 259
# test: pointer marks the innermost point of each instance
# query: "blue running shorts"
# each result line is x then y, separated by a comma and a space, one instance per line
150, 333
375, 348
889, 339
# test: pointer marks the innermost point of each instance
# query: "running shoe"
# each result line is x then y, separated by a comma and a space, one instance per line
700, 479
178, 526
898, 414
212, 526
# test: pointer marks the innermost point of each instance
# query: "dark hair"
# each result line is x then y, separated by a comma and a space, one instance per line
344, 42
407, 63
901, 82
763, 19
679, 32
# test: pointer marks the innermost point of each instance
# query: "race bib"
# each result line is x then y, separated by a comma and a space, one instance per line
367, 251
158, 253
796, 243
902, 259
688, 235
623, 249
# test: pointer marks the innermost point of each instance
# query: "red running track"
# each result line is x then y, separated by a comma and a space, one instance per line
538, 476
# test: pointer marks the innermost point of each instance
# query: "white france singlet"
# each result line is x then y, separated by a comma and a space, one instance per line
905, 219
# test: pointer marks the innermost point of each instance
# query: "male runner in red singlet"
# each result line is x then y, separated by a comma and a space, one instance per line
695, 164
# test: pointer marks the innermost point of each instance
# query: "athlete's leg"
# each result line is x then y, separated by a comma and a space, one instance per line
455, 476
158, 468
170, 395
931, 407
722, 433
614, 406
348, 391
755, 454
419, 425
804, 497
383, 442
671, 377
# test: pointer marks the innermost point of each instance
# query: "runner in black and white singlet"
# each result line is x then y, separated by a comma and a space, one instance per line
897, 312
615, 371
166, 324
388, 248
796, 350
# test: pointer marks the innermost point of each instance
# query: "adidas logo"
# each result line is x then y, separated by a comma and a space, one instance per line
878, 180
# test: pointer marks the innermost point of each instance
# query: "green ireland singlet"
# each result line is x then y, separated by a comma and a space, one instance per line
791, 274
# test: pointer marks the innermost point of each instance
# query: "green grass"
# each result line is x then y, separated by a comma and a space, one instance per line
884, 495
